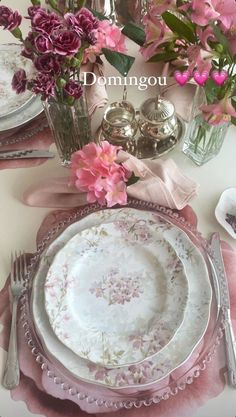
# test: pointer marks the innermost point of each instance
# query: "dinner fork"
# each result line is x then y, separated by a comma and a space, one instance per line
11, 377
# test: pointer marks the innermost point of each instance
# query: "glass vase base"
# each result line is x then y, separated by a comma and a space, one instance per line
198, 158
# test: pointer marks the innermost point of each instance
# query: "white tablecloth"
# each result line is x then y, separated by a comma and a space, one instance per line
19, 223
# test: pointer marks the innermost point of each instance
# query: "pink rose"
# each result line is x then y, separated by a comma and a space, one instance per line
48, 64
73, 89
45, 85
8, 19
66, 42
43, 44
46, 22
19, 81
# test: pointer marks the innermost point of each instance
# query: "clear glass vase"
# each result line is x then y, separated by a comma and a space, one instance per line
70, 126
203, 141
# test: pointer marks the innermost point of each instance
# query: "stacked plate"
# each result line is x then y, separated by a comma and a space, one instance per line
15, 109
120, 300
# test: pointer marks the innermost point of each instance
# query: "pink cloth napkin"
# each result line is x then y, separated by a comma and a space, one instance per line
48, 403
160, 182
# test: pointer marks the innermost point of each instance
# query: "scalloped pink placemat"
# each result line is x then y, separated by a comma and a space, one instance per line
208, 386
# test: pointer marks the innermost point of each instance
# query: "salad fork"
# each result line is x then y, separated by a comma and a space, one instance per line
11, 377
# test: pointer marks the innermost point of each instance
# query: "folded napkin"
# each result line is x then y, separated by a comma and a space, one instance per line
96, 94
161, 182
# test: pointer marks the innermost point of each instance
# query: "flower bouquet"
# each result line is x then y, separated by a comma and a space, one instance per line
199, 38
58, 44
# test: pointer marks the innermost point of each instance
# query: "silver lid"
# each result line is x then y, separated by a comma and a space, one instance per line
157, 110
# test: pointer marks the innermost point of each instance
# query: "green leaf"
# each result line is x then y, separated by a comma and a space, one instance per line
211, 90
233, 101
233, 120
132, 180
165, 56
220, 37
17, 33
184, 29
80, 4
120, 61
36, 2
134, 32
100, 16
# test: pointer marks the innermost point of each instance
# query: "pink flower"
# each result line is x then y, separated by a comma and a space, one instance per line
94, 170
73, 89
156, 34
66, 42
44, 21
43, 44
227, 12
205, 35
32, 10
203, 12
219, 113
84, 24
19, 81
198, 58
107, 36
8, 19
45, 85
161, 6
48, 64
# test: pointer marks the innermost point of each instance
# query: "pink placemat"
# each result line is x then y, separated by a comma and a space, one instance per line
31, 388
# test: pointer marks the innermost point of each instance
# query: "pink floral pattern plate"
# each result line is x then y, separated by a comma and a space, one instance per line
116, 294
180, 348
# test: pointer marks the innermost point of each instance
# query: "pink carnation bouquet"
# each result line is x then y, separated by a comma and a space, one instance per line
58, 43
95, 170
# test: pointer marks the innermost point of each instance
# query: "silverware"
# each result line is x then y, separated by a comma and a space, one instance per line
11, 377
230, 342
26, 154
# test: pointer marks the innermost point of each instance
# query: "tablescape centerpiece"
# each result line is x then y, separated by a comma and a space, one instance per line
199, 38
58, 45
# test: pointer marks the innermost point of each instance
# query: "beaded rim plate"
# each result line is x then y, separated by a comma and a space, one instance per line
115, 294
68, 386
183, 343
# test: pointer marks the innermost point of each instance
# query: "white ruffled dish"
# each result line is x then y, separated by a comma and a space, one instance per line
116, 294
225, 211
177, 351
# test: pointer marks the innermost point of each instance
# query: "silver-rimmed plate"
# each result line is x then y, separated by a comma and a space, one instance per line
15, 109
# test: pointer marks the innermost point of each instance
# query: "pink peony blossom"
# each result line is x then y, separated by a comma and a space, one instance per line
66, 42
94, 170
219, 113
19, 81
8, 19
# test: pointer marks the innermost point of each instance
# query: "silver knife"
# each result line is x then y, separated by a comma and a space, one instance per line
25, 154
230, 342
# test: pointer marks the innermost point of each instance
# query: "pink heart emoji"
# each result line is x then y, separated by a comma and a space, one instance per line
201, 77
219, 77
182, 77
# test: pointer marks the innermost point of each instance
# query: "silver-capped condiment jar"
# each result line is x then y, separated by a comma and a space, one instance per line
158, 119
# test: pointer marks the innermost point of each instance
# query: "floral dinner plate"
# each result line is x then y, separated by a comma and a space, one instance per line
115, 294
184, 341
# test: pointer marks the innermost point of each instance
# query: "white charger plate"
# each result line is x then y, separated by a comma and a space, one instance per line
15, 109
115, 294
180, 347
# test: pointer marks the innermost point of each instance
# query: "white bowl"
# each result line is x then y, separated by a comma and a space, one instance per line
226, 205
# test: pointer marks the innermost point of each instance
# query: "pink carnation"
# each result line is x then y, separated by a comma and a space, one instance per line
8, 19
19, 81
94, 170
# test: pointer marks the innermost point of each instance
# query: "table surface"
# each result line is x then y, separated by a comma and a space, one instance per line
19, 223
